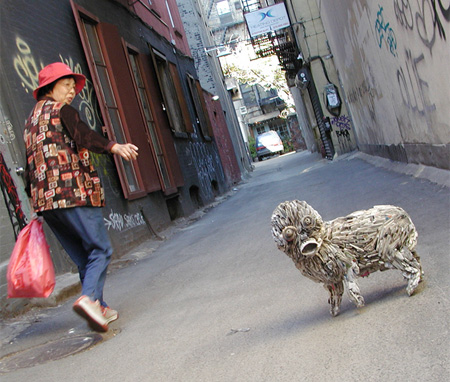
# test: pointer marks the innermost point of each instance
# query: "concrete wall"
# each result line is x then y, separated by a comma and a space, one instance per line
313, 42
393, 60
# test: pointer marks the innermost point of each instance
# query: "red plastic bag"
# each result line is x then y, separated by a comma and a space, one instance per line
30, 270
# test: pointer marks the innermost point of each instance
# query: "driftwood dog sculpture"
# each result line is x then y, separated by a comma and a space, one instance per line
337, 252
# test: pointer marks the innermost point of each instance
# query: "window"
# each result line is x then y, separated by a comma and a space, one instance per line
172, 92
260, 129
282, 129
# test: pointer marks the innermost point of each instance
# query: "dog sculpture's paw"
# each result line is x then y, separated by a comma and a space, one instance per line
334, 310
359, 301
413, 284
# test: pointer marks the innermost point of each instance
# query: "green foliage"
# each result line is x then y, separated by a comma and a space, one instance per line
252, 146
265, 75
287, 146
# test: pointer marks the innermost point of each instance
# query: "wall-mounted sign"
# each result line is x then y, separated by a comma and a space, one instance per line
267, 19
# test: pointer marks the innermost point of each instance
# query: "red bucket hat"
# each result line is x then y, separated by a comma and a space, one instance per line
55, 71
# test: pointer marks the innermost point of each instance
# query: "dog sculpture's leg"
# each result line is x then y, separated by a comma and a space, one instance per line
408, 262
352, 286
336, 292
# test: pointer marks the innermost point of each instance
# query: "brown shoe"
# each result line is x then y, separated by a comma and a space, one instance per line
91, 311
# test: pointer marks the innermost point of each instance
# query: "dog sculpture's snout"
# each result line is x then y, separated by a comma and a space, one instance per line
289, 233
309, 247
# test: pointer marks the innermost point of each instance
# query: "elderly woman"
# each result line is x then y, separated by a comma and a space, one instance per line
64, 186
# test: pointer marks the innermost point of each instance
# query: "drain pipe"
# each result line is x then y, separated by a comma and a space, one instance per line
149, 226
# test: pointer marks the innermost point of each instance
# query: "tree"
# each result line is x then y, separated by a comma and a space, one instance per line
264, 72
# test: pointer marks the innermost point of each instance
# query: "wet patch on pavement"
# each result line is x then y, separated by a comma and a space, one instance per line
53, 350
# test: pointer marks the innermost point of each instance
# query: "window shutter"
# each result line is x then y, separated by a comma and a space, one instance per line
181, 97
161, 121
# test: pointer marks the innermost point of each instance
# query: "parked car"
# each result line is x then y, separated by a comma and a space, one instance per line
268, 144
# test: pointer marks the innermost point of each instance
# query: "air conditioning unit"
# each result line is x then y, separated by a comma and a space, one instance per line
243, 110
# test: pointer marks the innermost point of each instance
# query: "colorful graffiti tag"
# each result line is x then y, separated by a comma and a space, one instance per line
384, 32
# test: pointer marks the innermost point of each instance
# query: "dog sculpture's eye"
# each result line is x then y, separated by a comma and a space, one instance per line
289, 233
308, 222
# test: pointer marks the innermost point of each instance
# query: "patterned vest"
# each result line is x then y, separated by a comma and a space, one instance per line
60, 174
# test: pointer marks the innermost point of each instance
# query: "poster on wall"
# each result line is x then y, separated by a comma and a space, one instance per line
267, 19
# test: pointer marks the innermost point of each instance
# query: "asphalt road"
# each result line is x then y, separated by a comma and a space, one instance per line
218, 302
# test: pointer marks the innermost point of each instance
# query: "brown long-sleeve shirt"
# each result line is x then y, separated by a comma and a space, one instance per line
82, 134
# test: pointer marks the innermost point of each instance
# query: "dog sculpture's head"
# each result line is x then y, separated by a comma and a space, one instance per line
297, 228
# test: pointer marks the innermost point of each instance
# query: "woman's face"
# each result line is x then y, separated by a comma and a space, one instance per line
63, 91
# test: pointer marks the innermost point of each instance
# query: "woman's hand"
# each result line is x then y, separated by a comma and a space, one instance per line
127, 151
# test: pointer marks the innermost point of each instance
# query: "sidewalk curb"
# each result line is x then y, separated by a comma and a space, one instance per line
433, 174
67, 285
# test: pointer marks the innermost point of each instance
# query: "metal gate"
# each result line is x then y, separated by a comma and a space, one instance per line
12, 201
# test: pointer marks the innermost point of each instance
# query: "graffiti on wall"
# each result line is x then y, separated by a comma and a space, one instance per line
425, 17
204, 163
119, 222
413, 88
364, 91
7, 131
342, 126
385, 33
343, 122
88, 105
27, 68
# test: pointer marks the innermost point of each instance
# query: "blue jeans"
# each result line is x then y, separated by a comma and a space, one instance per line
82, 233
